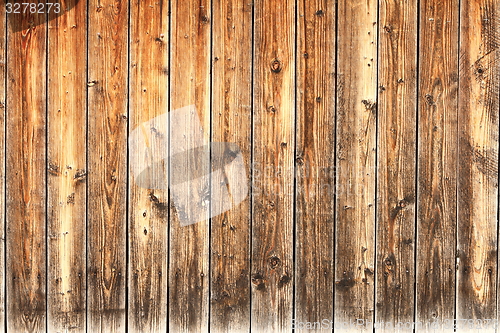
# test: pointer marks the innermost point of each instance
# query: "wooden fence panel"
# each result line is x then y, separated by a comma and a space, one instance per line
437, 161
396, 171
26, 173
356, 148
232, 123
273, 165
66, 155
315, 161
479, 95
107, 164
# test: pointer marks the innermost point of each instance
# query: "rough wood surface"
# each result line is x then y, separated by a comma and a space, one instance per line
148, 220
315, 161
26, 172
107, 164
66, 196
477, 234
396, 160
231, 122
66, 155
356, 148
273, 165
189, 244
437, 161
3, 54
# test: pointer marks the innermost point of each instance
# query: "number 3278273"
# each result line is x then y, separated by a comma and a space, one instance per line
33, 8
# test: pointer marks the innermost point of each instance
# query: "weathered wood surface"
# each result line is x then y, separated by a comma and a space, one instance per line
231, 122
106, 176
437, 161
66, 158
273, 165
367, 132
148, 226
396, 160
189, 252
315, 161
355, 161
26, 174
477, 234
3, 40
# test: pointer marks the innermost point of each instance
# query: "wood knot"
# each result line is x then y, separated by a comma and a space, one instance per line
258, 281
276, 66
271, 109
429, 99
388, 29
274, 262
319, 13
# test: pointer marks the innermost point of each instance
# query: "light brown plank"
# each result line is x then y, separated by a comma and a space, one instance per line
148, 220
396, 171
437, 162
273, 166
231, 122
107, 165
479, 93
66, 196
315, 162
190, 85
356, 146
26, 169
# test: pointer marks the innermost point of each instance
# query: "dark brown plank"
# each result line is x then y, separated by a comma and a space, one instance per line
356, 148
396, 171
189, 241
26, 173
231, 122
437, 161
107, 165
3, 55
273, 166
148, 225
479, 93
66, 196
315, 161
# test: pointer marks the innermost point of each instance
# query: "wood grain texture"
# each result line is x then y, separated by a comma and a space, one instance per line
107, 164
273, 165
3, 68
396, 170
66, 195
437, 161
26, 172
148, 220
231, 122
189, 255
315, 161
356, 148
479, 83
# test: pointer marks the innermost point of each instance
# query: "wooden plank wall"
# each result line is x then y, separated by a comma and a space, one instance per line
368, 133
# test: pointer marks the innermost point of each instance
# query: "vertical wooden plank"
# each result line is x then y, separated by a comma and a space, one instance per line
315, 160
273, 166
3, 54
107, 164
26, 173
437, 161
148, 220
190, 86
478, 168
356, 145
231, 122
396, 171
66, 196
